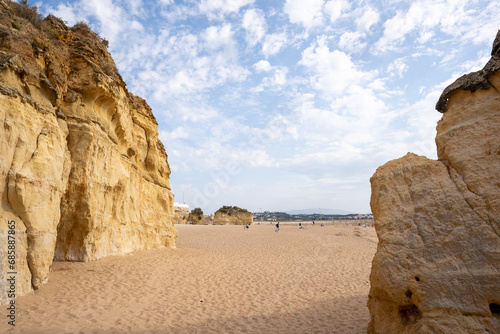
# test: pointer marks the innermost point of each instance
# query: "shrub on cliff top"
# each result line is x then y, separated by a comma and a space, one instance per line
81, 26
25, 11
231, 209
197, 212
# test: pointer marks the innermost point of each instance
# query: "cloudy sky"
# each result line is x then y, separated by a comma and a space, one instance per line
279, 105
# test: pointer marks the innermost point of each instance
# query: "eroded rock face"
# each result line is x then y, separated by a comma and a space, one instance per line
196, 219
83, 174
181, 214
437, 265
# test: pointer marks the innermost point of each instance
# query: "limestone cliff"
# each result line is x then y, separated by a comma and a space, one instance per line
82, 174
437, 265
232, 215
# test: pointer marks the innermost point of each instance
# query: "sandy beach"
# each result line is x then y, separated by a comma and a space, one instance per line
219, 279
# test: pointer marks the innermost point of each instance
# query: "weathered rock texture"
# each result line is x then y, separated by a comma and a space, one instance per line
82, 172
437, 266
232, 215
181, 218
181, 214
196, 219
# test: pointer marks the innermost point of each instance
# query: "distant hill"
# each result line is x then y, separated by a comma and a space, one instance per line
319, 211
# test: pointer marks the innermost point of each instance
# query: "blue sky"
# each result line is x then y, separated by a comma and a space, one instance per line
281, 105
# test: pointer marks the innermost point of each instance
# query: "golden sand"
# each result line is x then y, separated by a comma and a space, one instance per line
219, 279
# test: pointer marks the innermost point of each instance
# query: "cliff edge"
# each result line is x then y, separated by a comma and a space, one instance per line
83, 174
437, 265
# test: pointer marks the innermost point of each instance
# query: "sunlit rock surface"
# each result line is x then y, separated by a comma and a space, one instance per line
437, 266
82, 174
232, 215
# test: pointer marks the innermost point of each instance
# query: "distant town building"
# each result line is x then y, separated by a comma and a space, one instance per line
178, 207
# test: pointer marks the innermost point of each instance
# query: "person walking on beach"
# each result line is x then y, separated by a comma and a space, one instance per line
277, 227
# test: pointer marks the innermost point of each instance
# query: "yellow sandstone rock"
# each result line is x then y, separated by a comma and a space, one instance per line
232, 215
437, 265
83, 174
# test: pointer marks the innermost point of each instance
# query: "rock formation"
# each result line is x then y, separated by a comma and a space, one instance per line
83, 174
437, 266
232, 215
181, 213
180, 217
196, 217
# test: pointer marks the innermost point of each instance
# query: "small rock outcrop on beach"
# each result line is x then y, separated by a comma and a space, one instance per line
196, 217
82, 174
232, 215
180, 217
437, 266
181, 213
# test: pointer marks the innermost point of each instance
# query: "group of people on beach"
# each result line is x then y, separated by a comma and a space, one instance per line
278, 226
300, 227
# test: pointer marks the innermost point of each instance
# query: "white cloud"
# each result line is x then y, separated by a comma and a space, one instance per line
217, 9
112, 18
475, 64
352, 42
279, 78
135, 25
174, 13
177, 133
422, 119
308, 13
273, 44
262, 66
66, 12
335, 8
367, 112
335, 141
458, 19
136, 7
217, 38
277, 81
183, 82
333, 71
194, 111
425, 36
249, 157
397, 68
255, 26
181, 63
367, 20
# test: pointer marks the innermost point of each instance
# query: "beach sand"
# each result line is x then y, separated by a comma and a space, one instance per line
219, 279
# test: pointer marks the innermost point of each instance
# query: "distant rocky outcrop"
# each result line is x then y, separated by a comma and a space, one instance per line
196, 217
82, 172
232, 215
437, 266
180, 218
181, 213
